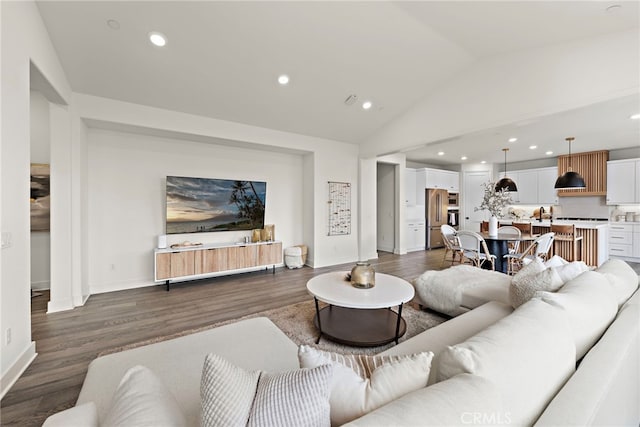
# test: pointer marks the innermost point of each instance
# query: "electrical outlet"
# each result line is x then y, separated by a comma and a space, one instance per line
6, 239
7, 336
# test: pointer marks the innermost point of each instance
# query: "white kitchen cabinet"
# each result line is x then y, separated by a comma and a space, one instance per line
621, 240
636, 241
527, 187
547, 194
622, 181
535, 186
437, 178
410, 187
637, 177
416, 238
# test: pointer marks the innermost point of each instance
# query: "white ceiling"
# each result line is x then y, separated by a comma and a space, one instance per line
223, 58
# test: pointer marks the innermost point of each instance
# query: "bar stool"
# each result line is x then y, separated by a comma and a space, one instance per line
524, 227
567, 233
484, 226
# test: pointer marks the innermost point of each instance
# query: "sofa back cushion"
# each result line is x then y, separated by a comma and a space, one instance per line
590, 305
605, 389
528, 355
462, 400
621, 277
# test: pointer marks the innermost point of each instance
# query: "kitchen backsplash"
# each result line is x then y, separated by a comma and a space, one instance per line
582, 207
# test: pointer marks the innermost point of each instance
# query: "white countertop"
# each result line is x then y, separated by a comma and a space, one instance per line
578, 224
213, 246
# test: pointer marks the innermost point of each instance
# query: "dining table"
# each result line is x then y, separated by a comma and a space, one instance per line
498, 245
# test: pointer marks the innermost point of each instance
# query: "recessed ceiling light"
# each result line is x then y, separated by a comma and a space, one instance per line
548, 153
533, 147
463, 158
283, 79
157, 38
113, 24
513, 139
483, 162
366, 105
635, 117
440, 153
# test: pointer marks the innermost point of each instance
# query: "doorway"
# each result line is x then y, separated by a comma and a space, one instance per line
386, 207
472, 197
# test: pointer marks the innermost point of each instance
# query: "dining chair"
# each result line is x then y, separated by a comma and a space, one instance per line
539, 248
474, 249
451, 243
566, 235
524, 227
510, 230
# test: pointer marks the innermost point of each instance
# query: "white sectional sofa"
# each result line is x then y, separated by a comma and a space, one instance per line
493, 365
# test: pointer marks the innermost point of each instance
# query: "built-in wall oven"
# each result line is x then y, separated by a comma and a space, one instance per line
453, 213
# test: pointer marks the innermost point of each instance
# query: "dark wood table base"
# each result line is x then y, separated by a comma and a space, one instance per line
360, 327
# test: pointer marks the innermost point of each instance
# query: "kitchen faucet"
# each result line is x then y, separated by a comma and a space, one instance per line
540, 214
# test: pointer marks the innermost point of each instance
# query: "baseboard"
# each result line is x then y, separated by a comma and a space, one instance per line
385, 248
56, 306
10, 377
79, 301
41, 286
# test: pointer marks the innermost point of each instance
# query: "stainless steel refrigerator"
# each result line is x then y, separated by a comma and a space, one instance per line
436, 206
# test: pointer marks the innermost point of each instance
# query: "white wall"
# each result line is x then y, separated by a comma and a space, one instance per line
325, 160
40, 153
127, 198
24, 39
385, 212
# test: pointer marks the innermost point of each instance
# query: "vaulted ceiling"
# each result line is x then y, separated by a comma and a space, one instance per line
222, 59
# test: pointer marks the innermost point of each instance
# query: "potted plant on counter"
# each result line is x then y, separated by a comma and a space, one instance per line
495, 202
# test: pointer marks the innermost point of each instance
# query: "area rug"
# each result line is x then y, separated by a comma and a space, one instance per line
296, 321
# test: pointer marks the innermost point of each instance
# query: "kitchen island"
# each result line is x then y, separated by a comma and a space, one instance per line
593, 247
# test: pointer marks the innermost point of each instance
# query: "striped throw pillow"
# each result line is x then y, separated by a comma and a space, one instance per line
232, 396
363, 383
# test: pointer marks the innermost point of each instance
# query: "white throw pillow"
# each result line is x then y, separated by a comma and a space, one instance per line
232, 396
363, 383
590, 305
571, 270
528, 355
85, 415
142, 400
555, 261
532, 278
621, 277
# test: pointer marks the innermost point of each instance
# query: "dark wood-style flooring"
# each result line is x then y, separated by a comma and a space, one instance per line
67, 342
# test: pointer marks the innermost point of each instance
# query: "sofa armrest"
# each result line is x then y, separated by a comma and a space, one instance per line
85, 415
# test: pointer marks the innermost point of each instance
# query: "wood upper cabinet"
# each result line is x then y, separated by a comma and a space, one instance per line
270, 253
592, 166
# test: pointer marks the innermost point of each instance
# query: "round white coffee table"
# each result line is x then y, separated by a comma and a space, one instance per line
356, 316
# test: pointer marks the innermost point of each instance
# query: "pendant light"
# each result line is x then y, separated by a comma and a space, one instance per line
570, 179
506, 182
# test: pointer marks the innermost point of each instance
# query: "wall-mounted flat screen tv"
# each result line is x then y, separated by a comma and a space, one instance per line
202, 205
